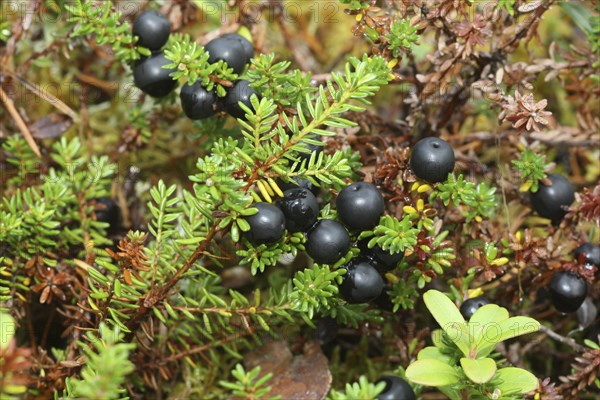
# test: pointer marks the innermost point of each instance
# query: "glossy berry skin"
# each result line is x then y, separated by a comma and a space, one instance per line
567, 291
432, 159
197, 102
359, 206
300, 208
396, 388
300, 183
469, 306
150, 76
383, 260
229, 50
267, 225
240, 92
152, 28
552, 201
107, 210
591, 254
362, 283
248, 48
327, 242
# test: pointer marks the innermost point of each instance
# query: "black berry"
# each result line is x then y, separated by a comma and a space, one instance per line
107, 210
298, 183
327, 242
567, 291
229, 50
432, 159
300, 208
359, 206
588, 253
248, 48
552, 201
240, 92
469, 306
197, 102
382, 260
362, 283
152, 28
152, 78
267, 225
396, 388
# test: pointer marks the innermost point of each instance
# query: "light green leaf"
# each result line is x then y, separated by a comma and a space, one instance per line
449, 318
478, 371
515, 381
431, 352
431, 372
503, 330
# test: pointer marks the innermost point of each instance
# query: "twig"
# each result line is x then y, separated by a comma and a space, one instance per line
562, 339
10, 107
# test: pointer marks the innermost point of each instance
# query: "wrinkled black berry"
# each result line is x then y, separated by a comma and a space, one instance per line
150, 76
300, 208
197, 102
362, 283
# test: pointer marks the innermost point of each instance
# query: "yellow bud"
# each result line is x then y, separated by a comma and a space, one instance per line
478, 218
420, 204
359, 17
415, 186
474, 292
392, 63
409, 210
391, 277
526, 186
263, 191
275, 187
424, 188
500, 261
519, 236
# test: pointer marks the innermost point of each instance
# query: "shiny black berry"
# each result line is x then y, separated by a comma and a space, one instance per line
552, 201
327, 242
432, 159
588, 253
240, 92
469, 306
359, 206
267, 225
567, 291
300, 208
298, 183
229, 50
248, 48
152, 28
362, 283
107, 210
383, 260
197, 102
152, 78
396, 388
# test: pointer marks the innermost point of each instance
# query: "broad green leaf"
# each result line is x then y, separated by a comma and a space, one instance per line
507, 329
431, 372
478, 371
515, 381
431, 352
488, 314
452, 394
449, 318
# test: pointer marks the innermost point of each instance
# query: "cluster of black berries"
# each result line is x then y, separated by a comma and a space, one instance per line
359, 207
153, 30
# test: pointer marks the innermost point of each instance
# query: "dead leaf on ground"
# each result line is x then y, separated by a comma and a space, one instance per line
50, 126
304, 376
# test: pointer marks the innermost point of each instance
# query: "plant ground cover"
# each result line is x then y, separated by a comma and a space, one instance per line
341, 199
